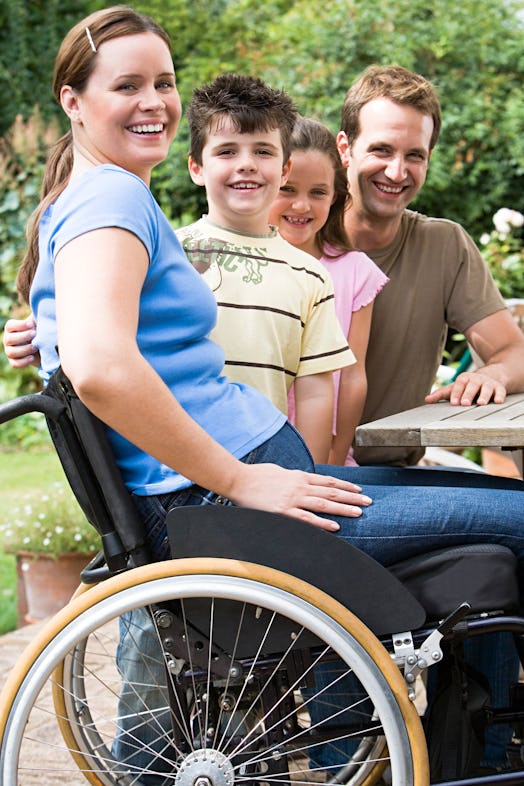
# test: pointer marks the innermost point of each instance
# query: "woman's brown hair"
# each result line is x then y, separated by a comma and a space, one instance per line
74, 64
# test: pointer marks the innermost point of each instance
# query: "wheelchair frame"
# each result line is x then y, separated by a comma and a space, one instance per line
230, 561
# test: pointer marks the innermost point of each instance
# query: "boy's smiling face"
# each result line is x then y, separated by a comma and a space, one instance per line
242, 174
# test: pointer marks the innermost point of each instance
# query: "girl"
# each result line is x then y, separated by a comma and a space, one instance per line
309, 213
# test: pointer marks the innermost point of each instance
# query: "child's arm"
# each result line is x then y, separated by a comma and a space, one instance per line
353, 387
314, 402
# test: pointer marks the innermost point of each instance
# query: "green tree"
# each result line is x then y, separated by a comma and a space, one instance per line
30, 34
473, 52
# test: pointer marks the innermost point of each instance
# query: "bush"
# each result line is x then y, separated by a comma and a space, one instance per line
48, 523
23, 152
503, 250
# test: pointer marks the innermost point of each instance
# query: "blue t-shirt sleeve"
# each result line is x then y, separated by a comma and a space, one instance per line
106, 196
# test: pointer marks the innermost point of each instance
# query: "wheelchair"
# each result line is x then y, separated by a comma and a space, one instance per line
267, 651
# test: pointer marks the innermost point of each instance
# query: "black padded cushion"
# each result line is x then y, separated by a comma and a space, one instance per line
483, 574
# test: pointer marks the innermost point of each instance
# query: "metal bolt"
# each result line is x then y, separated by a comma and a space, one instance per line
235, 670
164, 619
227, 702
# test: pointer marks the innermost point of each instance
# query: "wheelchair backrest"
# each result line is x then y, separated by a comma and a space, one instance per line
87, 459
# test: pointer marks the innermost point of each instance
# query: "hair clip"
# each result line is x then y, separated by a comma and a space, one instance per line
90, 39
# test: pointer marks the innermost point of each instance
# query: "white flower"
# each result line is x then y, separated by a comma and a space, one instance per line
484, 239
504, 219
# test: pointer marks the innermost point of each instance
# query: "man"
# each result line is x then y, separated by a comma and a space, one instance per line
390, 124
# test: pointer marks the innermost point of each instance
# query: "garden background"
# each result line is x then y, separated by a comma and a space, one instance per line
472, 51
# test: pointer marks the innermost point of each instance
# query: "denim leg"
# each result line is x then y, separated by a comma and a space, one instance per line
414, 512
495, 655
144, 745
142, 740
335, 693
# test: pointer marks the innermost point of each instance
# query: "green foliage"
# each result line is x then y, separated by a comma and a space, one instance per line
19, 473
473, 52
23, 151
48, 523
7, 593
503, 250
30, 33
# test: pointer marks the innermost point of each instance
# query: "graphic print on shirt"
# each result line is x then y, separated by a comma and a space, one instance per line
209, 256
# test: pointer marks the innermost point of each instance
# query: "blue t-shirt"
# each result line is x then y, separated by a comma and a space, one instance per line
177, 312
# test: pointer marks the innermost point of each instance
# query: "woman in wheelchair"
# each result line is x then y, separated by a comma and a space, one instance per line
121, 310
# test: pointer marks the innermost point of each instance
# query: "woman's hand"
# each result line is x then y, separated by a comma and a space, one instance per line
18, 335
298, 494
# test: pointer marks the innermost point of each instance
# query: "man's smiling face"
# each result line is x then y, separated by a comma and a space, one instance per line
388, 161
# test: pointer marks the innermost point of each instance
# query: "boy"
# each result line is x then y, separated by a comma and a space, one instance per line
276, 317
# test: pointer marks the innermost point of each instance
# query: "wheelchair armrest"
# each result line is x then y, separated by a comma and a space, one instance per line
322, 559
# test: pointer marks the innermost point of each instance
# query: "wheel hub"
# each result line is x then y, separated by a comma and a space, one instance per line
206, 767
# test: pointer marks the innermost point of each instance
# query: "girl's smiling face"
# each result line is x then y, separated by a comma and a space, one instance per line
129, 112
302, 207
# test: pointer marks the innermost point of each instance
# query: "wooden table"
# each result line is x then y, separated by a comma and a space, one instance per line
444, 425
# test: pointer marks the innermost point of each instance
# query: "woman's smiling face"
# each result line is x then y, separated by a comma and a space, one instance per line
129, 112
302, 206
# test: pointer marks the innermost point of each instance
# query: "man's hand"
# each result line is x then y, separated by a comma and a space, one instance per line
18, 335
470, 387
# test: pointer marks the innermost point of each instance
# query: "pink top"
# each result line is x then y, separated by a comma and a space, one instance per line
357, 280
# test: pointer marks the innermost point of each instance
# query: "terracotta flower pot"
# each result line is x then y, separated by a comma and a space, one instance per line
45, 584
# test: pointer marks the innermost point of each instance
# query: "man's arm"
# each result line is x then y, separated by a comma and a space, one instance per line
500, 344
18, 335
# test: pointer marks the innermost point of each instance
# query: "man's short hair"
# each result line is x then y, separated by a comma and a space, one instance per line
248, 102
400, 86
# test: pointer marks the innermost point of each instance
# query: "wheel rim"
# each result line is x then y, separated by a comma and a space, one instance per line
275, 599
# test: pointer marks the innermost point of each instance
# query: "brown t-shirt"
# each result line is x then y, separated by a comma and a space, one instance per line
437, 279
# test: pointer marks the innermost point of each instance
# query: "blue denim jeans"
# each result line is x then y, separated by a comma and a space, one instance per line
143, 745
412, 513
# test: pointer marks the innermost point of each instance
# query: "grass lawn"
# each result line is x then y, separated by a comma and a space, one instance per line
20, 472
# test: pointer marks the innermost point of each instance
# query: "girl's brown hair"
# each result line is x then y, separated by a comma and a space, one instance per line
309, 134
74, 64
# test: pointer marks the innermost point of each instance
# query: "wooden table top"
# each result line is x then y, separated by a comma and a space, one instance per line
444, 425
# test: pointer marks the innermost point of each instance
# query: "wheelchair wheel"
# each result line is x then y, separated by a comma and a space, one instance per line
232, 698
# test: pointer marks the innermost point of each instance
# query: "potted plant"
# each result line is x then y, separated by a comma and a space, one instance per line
52, 541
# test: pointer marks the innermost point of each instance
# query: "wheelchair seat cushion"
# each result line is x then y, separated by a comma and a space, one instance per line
483, 574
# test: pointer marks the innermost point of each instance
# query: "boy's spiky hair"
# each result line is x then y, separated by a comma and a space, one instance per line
247, 101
